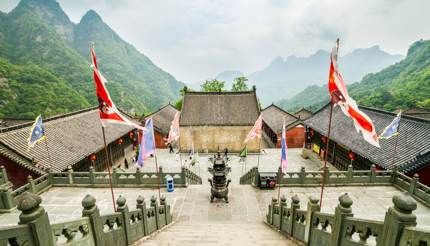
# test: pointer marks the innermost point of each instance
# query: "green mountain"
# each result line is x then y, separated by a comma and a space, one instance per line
38, 36
403, 85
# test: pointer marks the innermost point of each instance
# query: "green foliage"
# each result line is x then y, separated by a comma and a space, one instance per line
239, 84
32, 38
178, 104
403, 85
212, 85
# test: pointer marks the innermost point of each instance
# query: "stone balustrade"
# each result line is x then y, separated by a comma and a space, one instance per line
124, 227
9, 198
312, 227
350, 177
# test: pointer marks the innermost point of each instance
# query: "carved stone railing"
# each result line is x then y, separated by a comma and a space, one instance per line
250, 176
191, 177
312, 227
9, 198
124, 227
350, 177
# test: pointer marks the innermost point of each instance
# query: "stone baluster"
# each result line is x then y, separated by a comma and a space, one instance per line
140, 204
413, 184
394, 174
51, 176
184, 176
372, 177
350, 174
295, 204
31, 184
154, 204
397, 218
302, 175
70, 174
114, 176
93, 213
138, 176
270, 211
313, 206
256, 178
6, 200
5, 179
282, 208
326, 174
160, 175
34, 215
342, 211
123, 209
92, 176
166, 209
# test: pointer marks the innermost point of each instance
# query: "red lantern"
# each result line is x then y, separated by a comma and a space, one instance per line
323, 139
351, 156
131, 134
93, 157
119, 141
312, 132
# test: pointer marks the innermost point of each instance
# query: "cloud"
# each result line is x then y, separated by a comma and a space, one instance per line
195, 40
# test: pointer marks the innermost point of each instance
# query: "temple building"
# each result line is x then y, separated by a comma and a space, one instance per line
409, 152
274, 116
303, 114
214, 121
162, 120
72, 140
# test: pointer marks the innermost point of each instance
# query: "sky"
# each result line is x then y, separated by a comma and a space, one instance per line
196, 40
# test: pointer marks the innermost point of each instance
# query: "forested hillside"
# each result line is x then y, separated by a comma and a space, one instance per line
403, 85
37, 38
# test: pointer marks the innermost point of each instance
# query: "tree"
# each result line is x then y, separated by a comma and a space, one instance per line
239, 84
212, 85
178, 104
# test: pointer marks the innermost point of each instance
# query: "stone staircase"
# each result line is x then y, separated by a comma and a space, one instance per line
199, 222
218, 234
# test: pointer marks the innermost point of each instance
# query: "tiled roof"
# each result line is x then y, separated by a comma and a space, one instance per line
412, 142
163, 117
219, 108
423, 113
303, 114
274, 118
70, 138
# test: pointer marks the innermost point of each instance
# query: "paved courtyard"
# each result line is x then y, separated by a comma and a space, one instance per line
192, 210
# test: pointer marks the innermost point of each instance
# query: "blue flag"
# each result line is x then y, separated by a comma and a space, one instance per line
147, 144
37, 132
392, 129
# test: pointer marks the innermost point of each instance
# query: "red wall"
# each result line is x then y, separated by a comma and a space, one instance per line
16, 174
159, 140
425, 175
295, 138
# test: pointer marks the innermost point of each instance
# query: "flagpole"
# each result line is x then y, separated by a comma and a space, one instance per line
395, 143
47, 149
326, 154
108, 167
279, 177
158, 174
259, 153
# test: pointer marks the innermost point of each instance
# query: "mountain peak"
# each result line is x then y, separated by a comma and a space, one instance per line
91, 16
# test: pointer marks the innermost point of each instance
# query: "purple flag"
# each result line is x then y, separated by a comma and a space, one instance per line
147, 144
284, 162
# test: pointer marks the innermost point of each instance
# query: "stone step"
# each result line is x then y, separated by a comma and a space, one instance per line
218, 234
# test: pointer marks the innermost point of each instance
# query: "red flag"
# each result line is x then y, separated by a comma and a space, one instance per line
107, 109
174, 129
339, 96
256, 130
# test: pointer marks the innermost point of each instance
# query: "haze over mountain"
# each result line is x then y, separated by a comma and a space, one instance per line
284, 78
52, 53
403, 85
